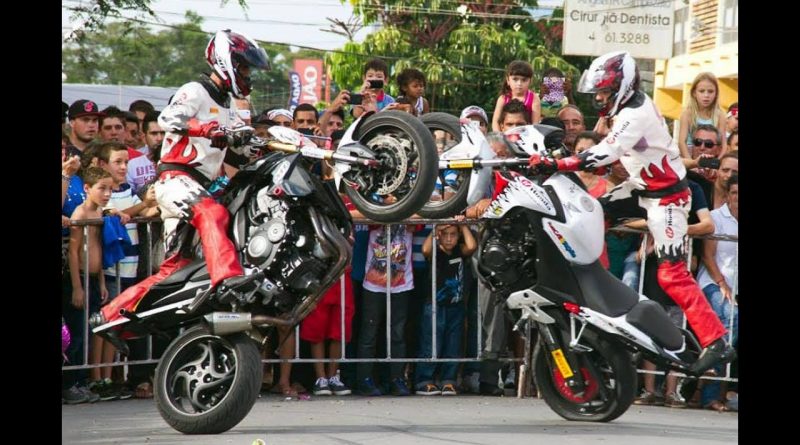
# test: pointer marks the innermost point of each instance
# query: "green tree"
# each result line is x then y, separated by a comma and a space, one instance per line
93, 14
129, 53
463, 50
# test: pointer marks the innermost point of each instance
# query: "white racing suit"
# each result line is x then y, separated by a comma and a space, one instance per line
640, 140
188, 165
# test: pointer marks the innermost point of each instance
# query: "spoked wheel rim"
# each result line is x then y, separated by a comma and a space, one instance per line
448, 182
398, 158
201, 375
600, 386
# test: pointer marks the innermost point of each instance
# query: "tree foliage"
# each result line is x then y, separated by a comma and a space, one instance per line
463, 50
93, 15
131, 54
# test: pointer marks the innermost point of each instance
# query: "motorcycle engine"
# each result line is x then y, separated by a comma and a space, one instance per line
282, 243
507, 254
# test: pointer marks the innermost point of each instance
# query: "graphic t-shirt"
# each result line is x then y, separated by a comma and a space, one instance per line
401, 267
140, 170
450, 277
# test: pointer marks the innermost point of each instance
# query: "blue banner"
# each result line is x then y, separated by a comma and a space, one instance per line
294, 90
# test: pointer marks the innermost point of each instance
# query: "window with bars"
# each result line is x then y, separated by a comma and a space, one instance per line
680, 41
730, 21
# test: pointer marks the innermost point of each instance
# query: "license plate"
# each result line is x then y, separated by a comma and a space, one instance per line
562, 364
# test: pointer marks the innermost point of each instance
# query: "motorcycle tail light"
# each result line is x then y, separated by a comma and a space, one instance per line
572, 307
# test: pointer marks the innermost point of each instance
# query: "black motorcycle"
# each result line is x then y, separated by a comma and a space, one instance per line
291, 229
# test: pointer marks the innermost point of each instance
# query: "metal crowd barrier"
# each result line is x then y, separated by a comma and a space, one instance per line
388, 359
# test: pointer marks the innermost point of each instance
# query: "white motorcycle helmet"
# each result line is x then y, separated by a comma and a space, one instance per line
616, 72
225, 54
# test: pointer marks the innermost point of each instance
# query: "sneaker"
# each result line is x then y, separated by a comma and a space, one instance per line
512, 375
717, 353
399, 387
103, 390
122, 391
471, 383
448, 389
368, 388
321, 387
675, 400
428, 390
647, 398
337, 387
73, 396
89, 394
488, 389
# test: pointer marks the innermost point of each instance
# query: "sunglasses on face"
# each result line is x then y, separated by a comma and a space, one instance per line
707, 142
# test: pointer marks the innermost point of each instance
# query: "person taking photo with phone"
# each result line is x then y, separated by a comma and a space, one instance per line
374, 98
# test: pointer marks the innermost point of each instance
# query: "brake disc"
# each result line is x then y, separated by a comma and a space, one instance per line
392, 151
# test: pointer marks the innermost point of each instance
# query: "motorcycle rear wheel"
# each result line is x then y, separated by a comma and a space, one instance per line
409, 164
206, 384
617, 374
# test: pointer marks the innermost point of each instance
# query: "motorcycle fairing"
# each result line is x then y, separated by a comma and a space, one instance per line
580, 235
619, 326
520, 192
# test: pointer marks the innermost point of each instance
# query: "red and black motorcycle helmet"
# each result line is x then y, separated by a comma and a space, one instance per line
226, 52
615, 72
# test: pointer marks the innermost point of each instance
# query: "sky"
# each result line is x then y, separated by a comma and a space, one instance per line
297, 22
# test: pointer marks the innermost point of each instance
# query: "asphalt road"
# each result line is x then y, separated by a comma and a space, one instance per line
401, 420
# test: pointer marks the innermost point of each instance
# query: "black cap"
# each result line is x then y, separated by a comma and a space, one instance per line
262, 119
83, 107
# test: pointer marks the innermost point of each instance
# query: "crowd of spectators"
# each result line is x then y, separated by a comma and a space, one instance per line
108, 167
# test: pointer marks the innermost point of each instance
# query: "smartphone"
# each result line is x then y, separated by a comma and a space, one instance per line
355, 99
376, 84
337, 135
306, 131
712, 163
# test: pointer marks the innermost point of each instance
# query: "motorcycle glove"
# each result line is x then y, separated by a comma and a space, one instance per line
209, 130
539, 164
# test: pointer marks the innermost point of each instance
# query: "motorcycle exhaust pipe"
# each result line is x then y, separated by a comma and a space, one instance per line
225, 323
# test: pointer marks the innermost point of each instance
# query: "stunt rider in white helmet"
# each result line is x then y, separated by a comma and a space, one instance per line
641, 141
191, 157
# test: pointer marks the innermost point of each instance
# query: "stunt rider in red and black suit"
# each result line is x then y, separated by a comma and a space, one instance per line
641, 141
191, 157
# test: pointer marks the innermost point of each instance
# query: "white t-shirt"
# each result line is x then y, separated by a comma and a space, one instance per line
124, 199
725, 257
140, 170
402, 270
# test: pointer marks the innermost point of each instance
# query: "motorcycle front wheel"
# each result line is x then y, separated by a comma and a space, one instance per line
452, 186
406, 176
206, 384
609, 379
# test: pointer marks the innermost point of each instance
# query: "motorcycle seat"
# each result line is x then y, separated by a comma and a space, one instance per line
182, 274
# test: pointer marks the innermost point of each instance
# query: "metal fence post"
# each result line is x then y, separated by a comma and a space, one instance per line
388, 291
434, 244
